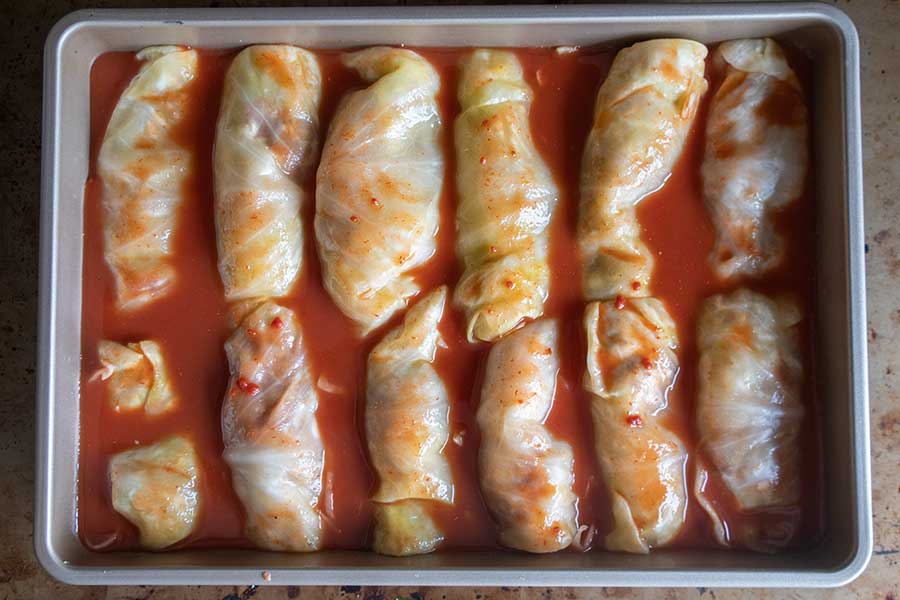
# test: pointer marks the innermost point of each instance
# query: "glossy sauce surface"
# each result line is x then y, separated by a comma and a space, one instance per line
191, 324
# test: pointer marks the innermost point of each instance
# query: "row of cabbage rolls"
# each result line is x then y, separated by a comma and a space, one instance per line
376, 215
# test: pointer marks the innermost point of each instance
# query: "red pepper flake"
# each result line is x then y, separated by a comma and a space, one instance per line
244, 385
634, 421
277, 323
493, 249
354, 219
251, 332
482, 160
635, 285
620, 302
646, 362
375, 202
510, 284
486, 122
247, 386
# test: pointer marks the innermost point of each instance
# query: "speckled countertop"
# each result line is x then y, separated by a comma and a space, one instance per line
23, 27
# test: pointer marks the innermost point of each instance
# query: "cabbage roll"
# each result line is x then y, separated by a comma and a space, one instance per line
407, 426
750, 412
631, 363
507, 196
155, 487
378, 185
266, 145
137, 377
143, 170
269, 428
756, 155
526, 474
642, 116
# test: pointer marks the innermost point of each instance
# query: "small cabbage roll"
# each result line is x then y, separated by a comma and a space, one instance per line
269, 428
378, 185
750, 413
631, 363
137, 376
143, 170
526, 474
266, 145
155, 487
756, 154
407, 427
642, 116
507, 196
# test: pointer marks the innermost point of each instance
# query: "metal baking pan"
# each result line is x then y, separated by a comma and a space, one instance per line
822, 31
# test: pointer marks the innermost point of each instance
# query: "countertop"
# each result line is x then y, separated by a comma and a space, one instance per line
23, 28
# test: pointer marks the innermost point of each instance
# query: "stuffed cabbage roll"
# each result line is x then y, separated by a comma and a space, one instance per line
756, 154
642, 116
137, 376
266, 145
378, 185
526, 474
155, 487
631, 363
750, 414
507, 196
269, 428
143, 169
407, 426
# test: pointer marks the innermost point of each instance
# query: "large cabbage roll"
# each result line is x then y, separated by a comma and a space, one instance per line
271, 436
407, 426
756, 154
642, 116
378, 185
266, 145
137, 376
526, 474
750, 414
155, 487
631, 363
143, 170
507, 196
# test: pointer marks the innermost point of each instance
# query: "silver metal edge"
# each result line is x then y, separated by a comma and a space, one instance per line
234, 17
47, 326
857, 298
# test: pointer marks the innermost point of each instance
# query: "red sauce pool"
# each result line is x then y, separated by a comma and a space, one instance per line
191, 324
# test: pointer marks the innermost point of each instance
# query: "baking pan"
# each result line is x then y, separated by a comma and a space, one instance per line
825, 33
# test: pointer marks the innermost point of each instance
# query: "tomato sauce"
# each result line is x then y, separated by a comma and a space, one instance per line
191, 323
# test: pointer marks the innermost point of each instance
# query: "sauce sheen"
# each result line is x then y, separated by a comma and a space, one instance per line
192, 323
